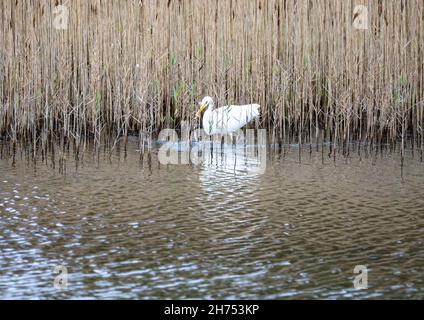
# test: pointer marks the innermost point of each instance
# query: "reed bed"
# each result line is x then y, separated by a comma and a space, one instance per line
124, 67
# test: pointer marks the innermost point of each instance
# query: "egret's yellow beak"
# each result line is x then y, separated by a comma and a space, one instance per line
201, 108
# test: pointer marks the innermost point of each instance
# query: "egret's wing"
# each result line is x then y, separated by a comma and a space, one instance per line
220, 118
232, 118
244, 114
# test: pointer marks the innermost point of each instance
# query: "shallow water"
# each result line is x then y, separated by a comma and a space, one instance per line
295, 228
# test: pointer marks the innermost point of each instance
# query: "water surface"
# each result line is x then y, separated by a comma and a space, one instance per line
131, 228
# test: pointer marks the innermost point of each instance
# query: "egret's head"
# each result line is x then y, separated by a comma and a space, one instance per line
204, 104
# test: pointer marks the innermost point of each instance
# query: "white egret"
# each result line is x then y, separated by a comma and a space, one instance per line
227, 119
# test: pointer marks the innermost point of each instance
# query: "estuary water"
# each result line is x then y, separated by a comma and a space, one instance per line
121, 226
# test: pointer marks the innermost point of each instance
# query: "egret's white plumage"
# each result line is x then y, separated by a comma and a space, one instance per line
226, 119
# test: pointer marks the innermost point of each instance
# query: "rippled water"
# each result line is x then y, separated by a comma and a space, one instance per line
127, 228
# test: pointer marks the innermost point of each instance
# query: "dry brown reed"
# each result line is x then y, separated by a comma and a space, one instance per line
139, 66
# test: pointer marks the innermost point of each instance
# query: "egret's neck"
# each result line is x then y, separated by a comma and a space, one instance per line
207, 118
